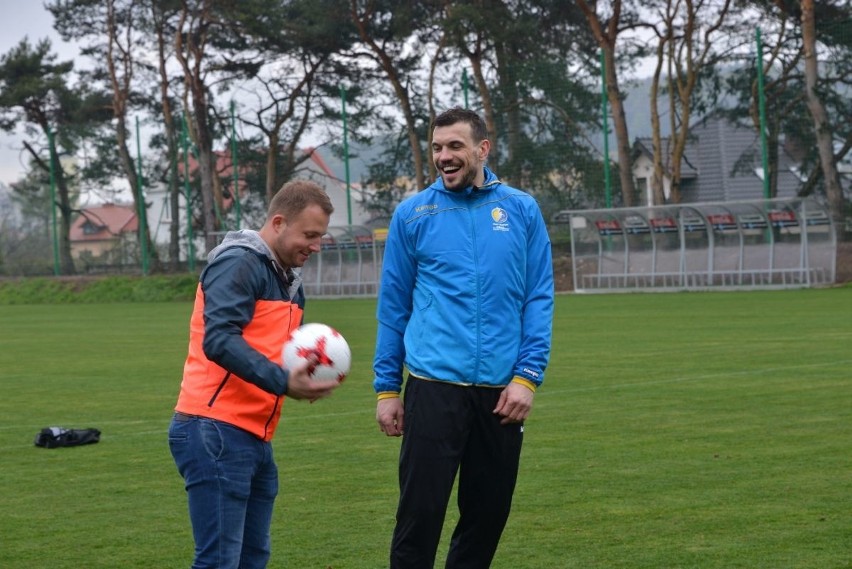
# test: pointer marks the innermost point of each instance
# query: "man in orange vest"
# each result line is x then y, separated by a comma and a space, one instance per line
248, 301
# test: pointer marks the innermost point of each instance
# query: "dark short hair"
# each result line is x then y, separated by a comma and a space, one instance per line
295, 196
458, 114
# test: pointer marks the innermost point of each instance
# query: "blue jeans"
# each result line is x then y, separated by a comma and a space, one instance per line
231, 481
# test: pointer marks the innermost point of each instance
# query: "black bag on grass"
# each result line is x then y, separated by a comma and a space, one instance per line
53, 437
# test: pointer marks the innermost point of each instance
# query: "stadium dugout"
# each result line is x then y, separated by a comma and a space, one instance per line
347, 265
775, 243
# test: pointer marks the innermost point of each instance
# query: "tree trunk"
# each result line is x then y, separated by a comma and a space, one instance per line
190, 44
208, 204
475, 58
822, 127
66, 261
159, 19
622, 137
678, 148
511, 166
657, 184
271, 165
387, 65
130, 174
174, 199
120, 85
606, 40
488, 111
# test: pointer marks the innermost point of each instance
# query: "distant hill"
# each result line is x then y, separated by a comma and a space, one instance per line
637, 109
637, 112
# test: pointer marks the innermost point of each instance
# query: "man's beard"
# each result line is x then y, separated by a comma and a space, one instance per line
464, 182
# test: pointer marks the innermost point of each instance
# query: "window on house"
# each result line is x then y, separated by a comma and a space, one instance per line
90, 228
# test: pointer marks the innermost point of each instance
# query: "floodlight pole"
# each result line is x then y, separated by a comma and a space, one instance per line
761, 105
604, 112
346, 156
52, 151
234, 164
190, 249
143, 229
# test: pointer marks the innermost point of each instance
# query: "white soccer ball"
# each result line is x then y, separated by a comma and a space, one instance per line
328, 344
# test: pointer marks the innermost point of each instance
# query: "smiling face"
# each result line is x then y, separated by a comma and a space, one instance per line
458, 158
296, 239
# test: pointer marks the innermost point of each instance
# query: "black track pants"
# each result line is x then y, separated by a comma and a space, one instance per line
451, 429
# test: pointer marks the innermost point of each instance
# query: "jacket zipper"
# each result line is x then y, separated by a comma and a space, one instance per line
471, 198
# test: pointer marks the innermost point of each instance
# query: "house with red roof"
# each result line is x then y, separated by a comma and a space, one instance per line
105, 232
346, 201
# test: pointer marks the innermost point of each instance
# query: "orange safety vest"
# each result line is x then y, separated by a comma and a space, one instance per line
209, 390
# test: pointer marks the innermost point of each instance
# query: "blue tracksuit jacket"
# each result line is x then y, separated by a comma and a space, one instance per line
466, 293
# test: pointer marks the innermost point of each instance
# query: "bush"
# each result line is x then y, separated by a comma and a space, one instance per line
86, 290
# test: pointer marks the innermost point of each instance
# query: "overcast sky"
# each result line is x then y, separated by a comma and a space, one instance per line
24, 18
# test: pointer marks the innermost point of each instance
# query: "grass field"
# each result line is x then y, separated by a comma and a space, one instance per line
691, 430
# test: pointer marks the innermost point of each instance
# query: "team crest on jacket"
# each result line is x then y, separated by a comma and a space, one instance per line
500, 219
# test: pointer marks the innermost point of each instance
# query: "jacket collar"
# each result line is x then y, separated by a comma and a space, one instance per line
491, 181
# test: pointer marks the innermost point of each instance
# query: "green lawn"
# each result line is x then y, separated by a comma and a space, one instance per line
685, 430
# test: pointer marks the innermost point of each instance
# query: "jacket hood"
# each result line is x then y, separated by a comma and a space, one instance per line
245, 238
250, 239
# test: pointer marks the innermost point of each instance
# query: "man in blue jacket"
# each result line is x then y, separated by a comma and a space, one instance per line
466, 305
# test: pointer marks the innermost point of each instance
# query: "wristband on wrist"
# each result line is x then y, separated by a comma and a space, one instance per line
387, 395
525, 382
